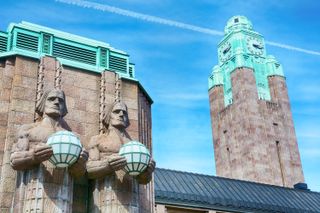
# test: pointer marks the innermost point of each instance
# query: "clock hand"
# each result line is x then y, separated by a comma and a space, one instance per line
257, 46
226, 50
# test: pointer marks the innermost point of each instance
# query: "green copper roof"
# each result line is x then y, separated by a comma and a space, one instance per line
216, 77
273, 66
241, 46
237, 23
35, 41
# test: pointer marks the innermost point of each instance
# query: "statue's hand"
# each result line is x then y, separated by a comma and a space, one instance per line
146, 176
117, 162
151, 166
42, 152
78, 169
21, 160
83, 157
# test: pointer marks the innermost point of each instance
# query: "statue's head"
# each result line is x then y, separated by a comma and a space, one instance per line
117, 116
52, 104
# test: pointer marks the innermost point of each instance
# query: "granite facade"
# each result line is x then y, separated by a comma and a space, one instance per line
88, 94
255, 139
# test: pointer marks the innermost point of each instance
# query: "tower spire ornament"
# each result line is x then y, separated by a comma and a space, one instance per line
253, 132
240, 47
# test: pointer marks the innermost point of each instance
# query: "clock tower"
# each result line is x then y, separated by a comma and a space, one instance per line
253, 132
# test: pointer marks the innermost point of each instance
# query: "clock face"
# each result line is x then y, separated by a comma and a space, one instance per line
225, 51
255, 46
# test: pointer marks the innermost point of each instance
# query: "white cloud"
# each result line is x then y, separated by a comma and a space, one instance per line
289, 47
141, 16
158, 20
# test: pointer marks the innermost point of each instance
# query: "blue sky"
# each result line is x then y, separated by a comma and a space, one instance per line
173, 64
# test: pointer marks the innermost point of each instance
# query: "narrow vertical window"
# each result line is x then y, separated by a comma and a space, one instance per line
280, 162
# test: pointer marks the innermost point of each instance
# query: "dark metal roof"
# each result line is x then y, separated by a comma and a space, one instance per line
210, 192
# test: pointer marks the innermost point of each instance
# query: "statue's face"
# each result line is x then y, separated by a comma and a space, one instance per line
119, 116
55, 104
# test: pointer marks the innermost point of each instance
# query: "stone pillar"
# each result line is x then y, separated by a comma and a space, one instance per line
146, 196
216, 101
18, 86
287, 146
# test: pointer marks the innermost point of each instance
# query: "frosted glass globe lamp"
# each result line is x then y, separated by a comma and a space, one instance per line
66, 148
137, 156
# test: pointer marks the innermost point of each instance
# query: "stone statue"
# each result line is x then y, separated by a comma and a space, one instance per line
30, 154
113, 190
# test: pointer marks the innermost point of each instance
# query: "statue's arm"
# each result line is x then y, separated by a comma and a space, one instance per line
97, 167
22, 157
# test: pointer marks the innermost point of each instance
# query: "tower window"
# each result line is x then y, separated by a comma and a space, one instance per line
236, 20
280, 162
275, 124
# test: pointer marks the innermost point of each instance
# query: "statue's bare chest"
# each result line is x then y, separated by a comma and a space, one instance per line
109, 144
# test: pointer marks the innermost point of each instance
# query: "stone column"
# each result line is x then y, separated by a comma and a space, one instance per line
17, 101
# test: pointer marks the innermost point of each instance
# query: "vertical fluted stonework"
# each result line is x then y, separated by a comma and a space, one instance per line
44, 189
118, 193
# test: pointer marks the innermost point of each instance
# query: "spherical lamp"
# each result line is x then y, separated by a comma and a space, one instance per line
137, 156
66, 148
